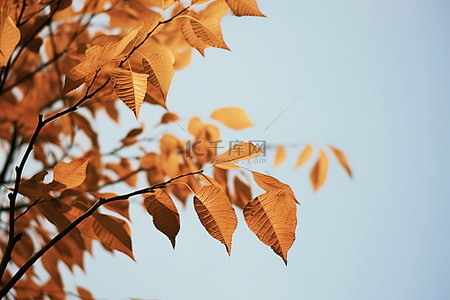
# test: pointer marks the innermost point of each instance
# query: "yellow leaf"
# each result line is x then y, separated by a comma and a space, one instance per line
269, 183
164, 212
130, 87
71, 174
342, 159
245, 8
319, 171
78, 74
304, 156
203, 35
280, 156
112, 50
195, 127
233, 117
9, 38
216, 214
160, 72
238, 152
272, 216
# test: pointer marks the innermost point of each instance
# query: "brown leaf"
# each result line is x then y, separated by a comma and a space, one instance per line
280, 156
342, 159
164, 212
169, 117
269, 183
272, 216
318, 173
9, 38
84, 294
238, 152
216, 214
304, 156
71, 174
242, 193
233, 117
245, 8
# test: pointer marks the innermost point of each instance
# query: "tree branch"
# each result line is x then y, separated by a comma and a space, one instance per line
10, 154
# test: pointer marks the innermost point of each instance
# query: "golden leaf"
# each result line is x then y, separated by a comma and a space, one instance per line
164, 212
233, 117
242, 193
238, 152
216, 214
130, 87
342, 159
9, 38
280, 156
71, 174
78, 74
112, 50
318, 173
160, 72
245, 8
272, 216
269, 183
304, 156
194, 2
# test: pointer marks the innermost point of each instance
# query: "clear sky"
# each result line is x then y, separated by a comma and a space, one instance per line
377, 81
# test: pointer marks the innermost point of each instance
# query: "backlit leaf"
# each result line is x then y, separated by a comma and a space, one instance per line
9, 37
272, 216
233, 117
269, 183
245, 8
238, 152
164, 212
318, 173
304, 156
280, 156
342, 159
216, 214
71, 174
130, 87
160, 72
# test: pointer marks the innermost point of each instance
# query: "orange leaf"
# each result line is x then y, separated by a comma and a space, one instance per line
160, 71
164, 212
169, 117
242, 193
216, 214
318, 173
84, 294
304, 156
245, 8
233, 117
280, 156
113, 232
269, 183
71, 174
9, 37
130, 87
272, 216
238, 152
342, 159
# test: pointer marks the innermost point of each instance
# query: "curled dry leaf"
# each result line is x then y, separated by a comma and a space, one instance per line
280, 156
318, 173
71, 174
130, 87
342, 159
272, 216
164, 212
216, 214
233, 117
245, 8
269, 183
304, 156
238, 152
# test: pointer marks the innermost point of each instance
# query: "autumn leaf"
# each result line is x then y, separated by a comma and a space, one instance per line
318, 173
238, 152
233, 117
342, 159
216, 214
160, 72
245, 8
164, 212
112, 50
304, 156
280, 156
242, 193
169, 117
84, 294
9, 38
113, 232
71, 174
269, 183
272, 216
130, 87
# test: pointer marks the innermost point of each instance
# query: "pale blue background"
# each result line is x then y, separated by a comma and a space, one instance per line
377, 80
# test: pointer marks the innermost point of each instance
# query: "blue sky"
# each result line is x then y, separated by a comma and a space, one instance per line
376, 75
